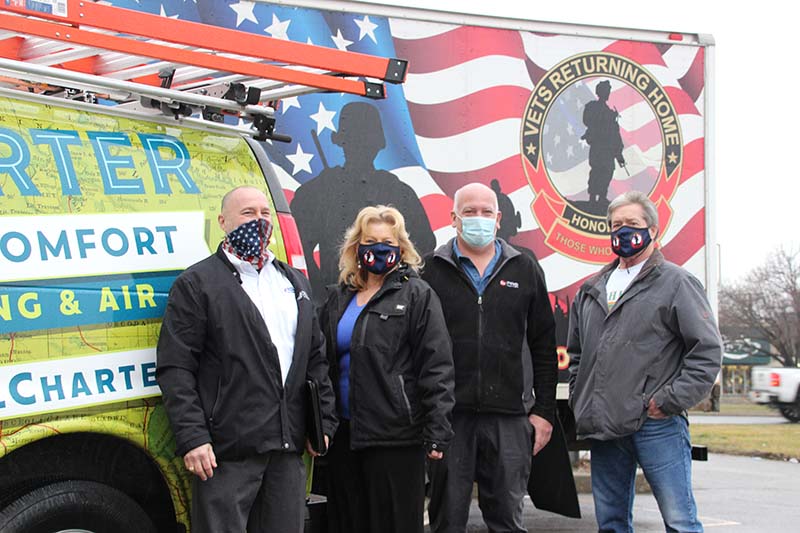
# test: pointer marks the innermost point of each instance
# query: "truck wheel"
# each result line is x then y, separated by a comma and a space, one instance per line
790, 411
75, 505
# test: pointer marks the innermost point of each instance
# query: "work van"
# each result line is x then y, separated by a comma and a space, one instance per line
100, 211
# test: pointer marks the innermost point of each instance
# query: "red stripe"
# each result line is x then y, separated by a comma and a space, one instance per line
642, 53
533, 240
469, 112
645, 137
289, 194
693, 81
693, 159
683, 104
508, 171
688, 241
438, 208
458, 46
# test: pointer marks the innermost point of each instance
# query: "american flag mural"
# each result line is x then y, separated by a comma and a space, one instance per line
461, 117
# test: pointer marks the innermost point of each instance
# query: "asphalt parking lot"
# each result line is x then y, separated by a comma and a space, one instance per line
734, 494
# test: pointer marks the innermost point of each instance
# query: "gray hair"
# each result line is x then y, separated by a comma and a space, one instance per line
639, 198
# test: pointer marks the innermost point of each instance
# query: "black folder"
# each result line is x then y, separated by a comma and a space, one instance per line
316, 435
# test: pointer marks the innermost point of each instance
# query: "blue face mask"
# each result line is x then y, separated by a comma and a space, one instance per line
628, 241
478, 232
378, 258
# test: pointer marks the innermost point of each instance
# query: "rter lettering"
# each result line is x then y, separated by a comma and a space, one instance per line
113, 152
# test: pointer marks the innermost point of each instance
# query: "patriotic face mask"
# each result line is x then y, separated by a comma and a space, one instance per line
249, 241
628, 241
378, 258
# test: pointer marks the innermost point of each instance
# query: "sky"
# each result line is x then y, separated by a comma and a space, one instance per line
756, 122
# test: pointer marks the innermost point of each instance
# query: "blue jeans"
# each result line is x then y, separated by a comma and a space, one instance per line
663, 450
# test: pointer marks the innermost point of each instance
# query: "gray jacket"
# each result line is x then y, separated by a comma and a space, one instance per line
659, 341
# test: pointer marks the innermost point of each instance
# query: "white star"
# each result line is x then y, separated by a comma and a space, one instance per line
300, 160
308, 41
340, 42
244, 11
366, 27
279, 28
549, 158
164, 13
557, 139
570, 151
323, 118
569, 129
288, 103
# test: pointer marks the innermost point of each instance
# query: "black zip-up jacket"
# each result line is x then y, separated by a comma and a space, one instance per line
401, 365
219, 371
504, 346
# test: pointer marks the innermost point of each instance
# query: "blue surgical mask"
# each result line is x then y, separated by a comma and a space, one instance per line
378, 258
628, 241
477, 231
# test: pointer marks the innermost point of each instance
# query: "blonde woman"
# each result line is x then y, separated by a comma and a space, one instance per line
391, 364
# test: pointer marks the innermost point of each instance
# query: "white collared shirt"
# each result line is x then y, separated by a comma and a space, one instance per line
273, 295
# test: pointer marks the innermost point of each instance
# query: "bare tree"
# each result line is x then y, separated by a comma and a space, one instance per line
766, 305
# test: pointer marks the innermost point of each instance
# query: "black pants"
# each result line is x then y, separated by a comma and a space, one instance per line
494, 450
260, 494
374, 490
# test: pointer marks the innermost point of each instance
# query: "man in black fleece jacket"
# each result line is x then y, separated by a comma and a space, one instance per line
499, 317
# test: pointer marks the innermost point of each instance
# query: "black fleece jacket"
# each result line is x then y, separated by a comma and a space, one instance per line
219, 371
504, 347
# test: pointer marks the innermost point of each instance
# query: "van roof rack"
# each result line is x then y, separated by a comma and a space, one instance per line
85, 50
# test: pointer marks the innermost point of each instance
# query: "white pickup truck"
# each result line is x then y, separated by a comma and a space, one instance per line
778, 387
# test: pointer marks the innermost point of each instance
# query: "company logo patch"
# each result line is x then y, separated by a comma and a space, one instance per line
509, 284
596, 125
303, 296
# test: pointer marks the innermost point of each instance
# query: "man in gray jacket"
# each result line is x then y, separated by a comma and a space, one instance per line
643, 347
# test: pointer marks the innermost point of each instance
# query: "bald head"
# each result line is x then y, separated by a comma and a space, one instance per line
473, 192
242, 205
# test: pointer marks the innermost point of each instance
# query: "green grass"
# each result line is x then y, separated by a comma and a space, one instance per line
739, 406
779, 441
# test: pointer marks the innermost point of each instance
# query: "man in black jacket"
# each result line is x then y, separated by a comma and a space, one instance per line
500, 321
238, 341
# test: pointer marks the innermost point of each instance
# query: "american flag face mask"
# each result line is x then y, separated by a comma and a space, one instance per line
249, 241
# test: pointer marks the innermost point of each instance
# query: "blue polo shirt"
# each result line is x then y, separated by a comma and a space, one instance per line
469, 268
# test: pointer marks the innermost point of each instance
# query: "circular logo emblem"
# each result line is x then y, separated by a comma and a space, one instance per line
368, 258
597, 125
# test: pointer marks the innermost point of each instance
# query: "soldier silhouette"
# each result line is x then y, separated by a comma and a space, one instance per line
605, 145
511, 220
325, 206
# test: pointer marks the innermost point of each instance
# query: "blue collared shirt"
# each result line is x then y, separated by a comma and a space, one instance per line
469, 268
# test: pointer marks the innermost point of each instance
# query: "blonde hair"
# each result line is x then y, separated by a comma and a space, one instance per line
349, 272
